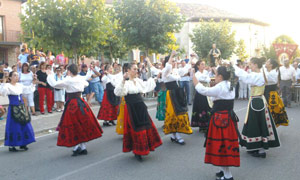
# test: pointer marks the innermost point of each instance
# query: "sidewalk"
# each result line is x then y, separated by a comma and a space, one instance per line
48, 122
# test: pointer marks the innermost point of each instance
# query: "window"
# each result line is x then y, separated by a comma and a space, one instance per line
1, 29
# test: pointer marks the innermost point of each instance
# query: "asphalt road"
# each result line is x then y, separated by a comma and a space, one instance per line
44, 160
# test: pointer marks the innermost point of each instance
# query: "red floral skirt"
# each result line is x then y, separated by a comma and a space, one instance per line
107, 111
222, 146
141, 142
78, 124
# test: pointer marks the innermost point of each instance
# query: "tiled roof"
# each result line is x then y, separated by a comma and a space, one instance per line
195, 12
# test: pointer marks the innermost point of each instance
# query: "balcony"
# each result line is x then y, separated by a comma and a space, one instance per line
10, 38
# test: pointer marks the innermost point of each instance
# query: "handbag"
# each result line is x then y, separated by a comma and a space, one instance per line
20, 114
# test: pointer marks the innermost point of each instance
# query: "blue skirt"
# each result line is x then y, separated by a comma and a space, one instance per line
17, 134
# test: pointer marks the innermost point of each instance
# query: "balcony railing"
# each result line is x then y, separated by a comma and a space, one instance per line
10, 36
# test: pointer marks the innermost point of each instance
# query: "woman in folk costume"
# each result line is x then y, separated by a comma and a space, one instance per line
18, 130
259, 131
78, 124
110, 103
120, 119
201, 108
276, 105
140, 133
222, 146
161, 97
177, 119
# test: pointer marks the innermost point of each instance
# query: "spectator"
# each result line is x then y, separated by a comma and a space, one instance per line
41, 56
184, 80
23, 56
60, 59
287, 75
44, 89
95, 87
50, 58
1, 73
33, 58
296, 66
83, 72
7, 68
27, 78
36, 93
59, 94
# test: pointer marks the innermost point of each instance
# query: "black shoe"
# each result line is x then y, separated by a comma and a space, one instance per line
112, 122
220, 174
25, 148
83, 152
173, 139
12, 149
251, 152
257, 154
224, 178
77, 152
106, 123
138, 157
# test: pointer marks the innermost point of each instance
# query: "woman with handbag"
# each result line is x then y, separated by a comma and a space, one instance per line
274, 101
222, 145
18, 131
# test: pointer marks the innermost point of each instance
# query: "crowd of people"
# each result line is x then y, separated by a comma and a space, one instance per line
177, 83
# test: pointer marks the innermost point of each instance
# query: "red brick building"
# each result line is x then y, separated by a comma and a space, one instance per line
10, 30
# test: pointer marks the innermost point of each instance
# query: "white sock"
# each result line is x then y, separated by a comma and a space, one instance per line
173, 135
180, 139
82, 146
76, 147
227, 173
261, 151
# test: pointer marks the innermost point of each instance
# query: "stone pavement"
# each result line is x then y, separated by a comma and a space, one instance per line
48, 122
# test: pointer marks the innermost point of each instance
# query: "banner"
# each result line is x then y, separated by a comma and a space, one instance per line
284, 51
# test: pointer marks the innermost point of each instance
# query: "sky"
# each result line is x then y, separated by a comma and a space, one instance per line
282, 15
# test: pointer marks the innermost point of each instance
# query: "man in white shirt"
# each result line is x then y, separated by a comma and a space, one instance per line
184, 80
296, 65
287, 77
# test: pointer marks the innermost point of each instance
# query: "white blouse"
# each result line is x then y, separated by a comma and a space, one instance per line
202, 77
71, 84
252, 78
26, 80
217, 92
134, 86
170, 74
9, 89
114, 79
272, 76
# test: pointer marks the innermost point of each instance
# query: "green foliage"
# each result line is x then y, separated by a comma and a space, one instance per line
147, 24
73, 26
269, 53
241, 50
211, 32
113, 47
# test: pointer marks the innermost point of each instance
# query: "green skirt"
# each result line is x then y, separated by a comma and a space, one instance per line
161, 105
259, 130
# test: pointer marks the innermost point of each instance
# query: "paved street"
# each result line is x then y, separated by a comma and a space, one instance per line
44, 160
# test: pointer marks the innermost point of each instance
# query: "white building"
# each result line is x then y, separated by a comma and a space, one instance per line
253, 32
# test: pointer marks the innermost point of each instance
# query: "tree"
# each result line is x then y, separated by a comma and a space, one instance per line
113, 47
241, 50
211, 32
73, 26
147, 24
